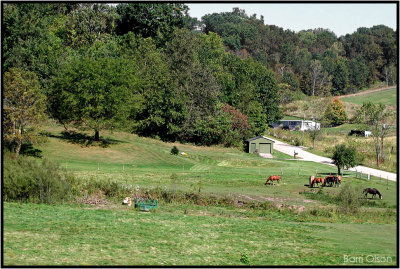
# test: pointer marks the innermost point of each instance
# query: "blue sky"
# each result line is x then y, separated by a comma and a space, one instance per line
341, 18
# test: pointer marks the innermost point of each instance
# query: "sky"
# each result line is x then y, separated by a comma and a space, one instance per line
341, 18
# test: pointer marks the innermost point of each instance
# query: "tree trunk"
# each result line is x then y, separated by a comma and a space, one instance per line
18, 147
338, 169
66, 127
96, 135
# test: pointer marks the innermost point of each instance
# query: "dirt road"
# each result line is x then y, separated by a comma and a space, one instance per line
307, 156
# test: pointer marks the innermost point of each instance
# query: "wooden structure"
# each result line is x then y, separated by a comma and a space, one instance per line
260, 144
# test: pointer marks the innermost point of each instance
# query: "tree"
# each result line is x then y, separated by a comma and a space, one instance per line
99, 92
344, 157
90, 23
155, 20
335, 113
196, 84
24, 107
161, 112
314, 134
319, 78
377, 119
340, 78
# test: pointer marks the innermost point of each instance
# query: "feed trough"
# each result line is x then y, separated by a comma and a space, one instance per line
146, 204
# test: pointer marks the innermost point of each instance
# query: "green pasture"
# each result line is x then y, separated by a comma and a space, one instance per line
146, 162
387, 97
82, 235
189, 234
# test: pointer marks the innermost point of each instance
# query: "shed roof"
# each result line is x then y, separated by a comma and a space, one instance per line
260, 136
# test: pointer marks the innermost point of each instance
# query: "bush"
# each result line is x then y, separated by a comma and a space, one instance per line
26, 179
350, 199
174, 150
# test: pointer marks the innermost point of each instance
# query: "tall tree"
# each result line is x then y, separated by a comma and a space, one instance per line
379, 120
100, 92
320, 79
155, 20
24, 107
89, 23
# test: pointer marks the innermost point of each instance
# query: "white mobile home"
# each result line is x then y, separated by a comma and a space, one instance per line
301, 125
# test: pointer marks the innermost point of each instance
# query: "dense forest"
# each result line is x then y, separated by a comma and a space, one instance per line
152, 70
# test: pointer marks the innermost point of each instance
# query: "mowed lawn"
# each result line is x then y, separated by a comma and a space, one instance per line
387, 97
73, 235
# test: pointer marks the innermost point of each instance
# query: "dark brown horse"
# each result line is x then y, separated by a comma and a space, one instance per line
337, 180
272, 179
372, 191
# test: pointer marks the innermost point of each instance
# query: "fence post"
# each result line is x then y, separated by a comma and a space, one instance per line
281, 171
369, 175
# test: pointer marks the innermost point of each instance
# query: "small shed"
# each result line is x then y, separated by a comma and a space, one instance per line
260, 144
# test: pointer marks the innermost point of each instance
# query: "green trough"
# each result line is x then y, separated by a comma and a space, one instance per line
146, 204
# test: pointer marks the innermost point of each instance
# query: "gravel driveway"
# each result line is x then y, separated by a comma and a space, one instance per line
307, 156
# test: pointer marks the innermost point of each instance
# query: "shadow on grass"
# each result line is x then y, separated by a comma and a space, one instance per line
84, 139
27, 149
334, 174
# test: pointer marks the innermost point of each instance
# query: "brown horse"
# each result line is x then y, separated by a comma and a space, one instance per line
337, 180
272, 179
316, 180
372, 191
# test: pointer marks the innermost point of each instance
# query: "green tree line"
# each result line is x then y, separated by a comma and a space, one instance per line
151, 69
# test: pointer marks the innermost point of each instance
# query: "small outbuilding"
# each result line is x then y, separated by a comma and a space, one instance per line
260, 144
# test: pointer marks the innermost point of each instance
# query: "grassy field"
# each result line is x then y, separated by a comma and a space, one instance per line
76, 235
387, 97
294, 229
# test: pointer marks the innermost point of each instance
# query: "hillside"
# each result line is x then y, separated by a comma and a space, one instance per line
311, 107
146, 162
385, 96
214, 200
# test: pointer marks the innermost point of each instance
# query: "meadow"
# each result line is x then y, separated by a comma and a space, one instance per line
387, 97
285, 224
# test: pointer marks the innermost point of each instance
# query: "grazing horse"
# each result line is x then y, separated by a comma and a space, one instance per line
333, 180
372, 191
272, 179
316, 180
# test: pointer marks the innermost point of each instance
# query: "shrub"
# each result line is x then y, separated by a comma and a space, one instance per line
335, 112
350, 199
174, 150
26, 179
